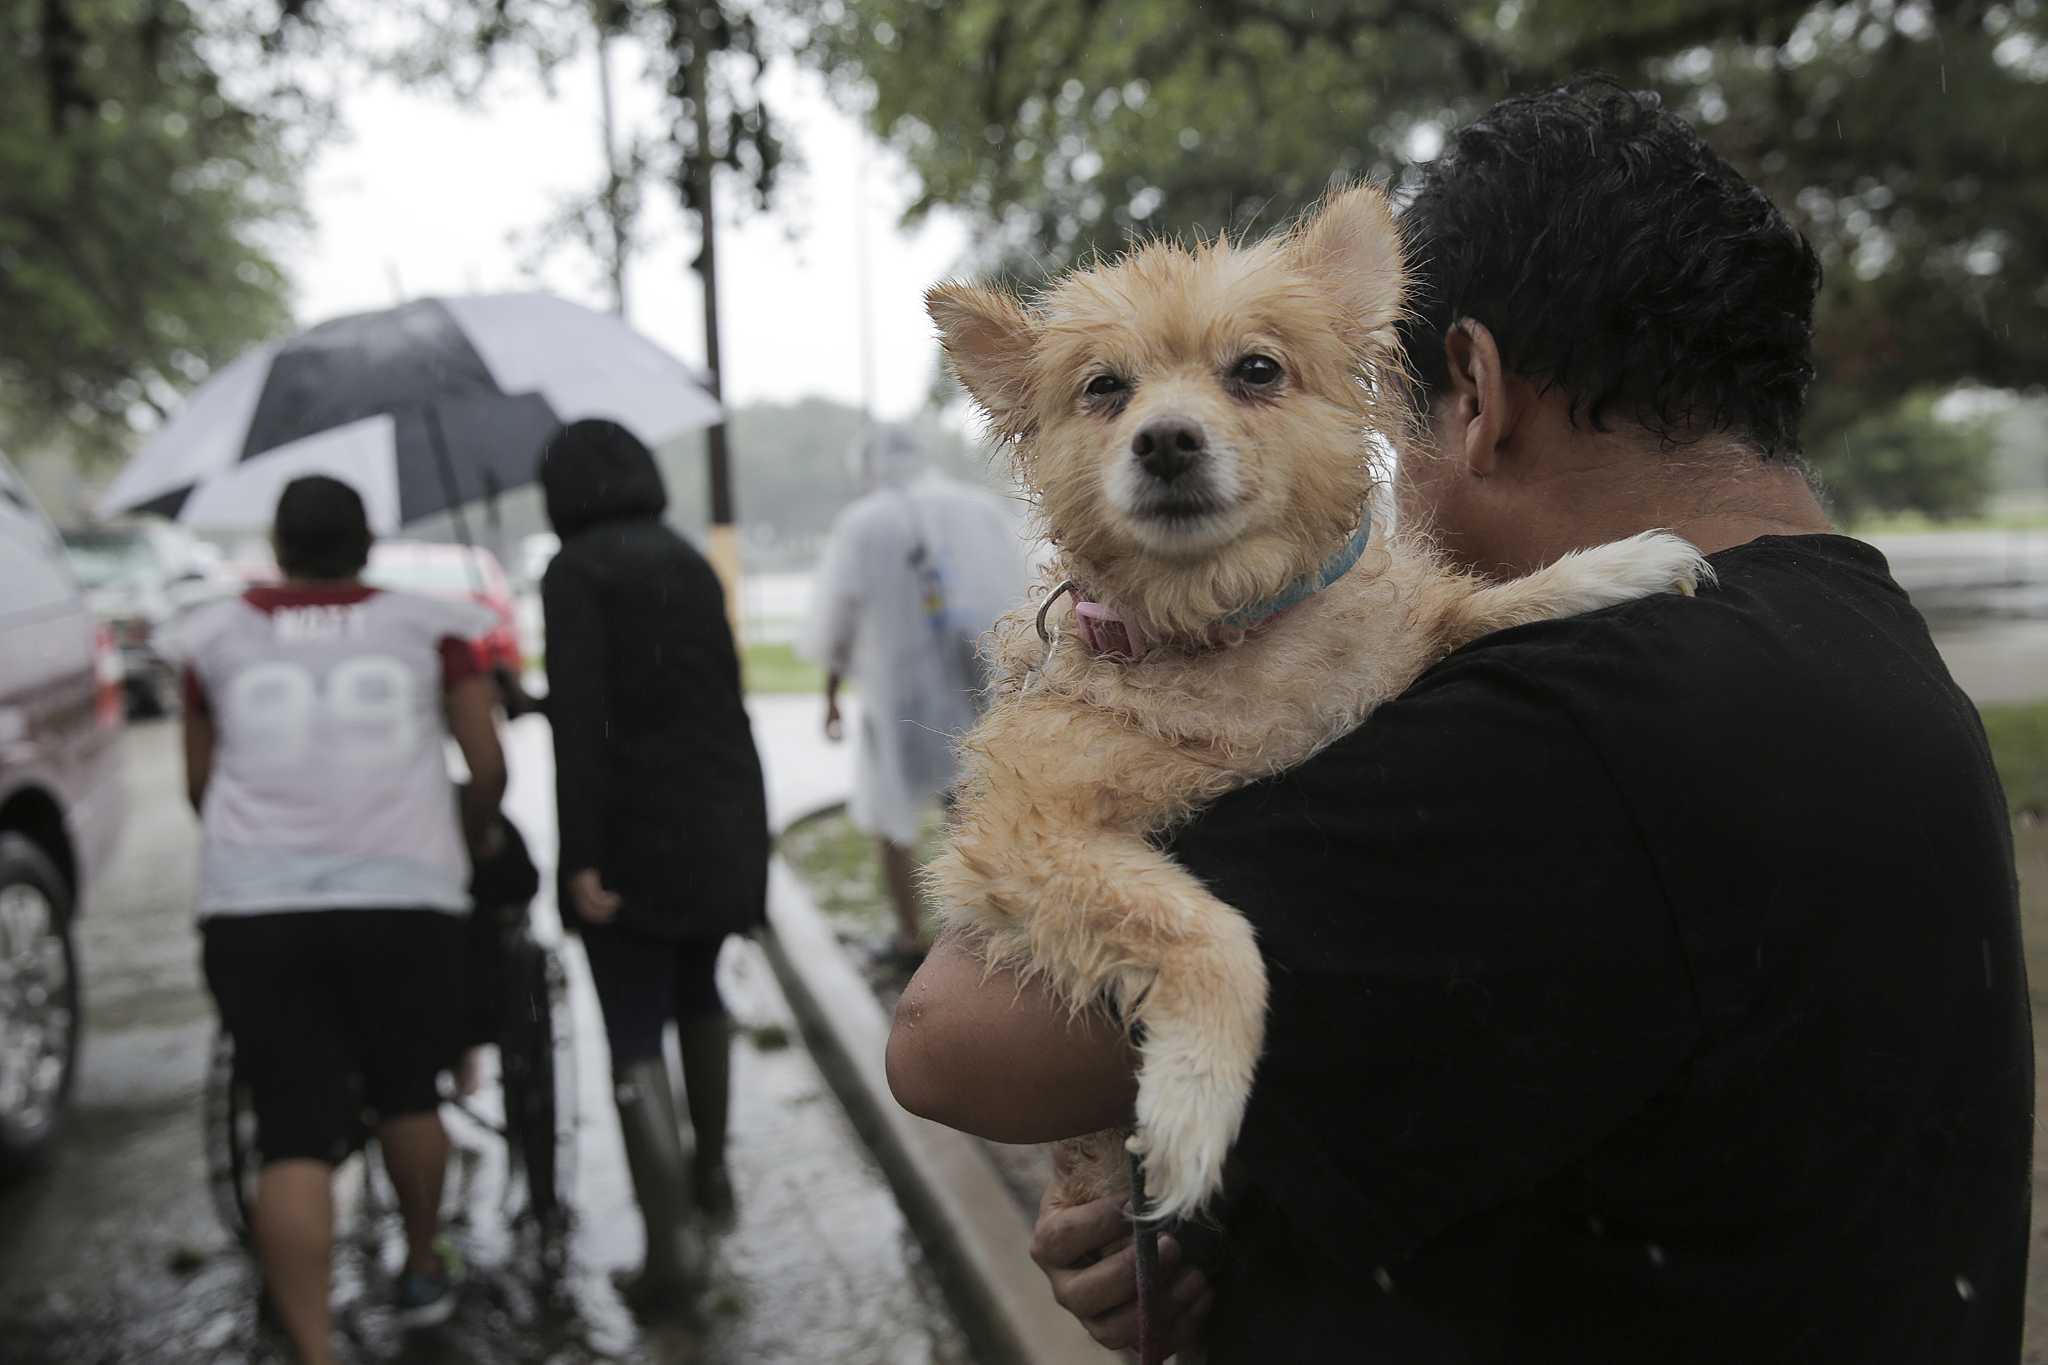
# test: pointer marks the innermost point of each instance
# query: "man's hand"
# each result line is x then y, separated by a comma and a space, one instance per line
512, 694
486, 843
835, 729
594, 904
1087, 1254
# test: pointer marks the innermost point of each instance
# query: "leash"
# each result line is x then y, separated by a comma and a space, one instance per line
1151, 1349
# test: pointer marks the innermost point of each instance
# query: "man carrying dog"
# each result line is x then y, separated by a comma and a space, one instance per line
1645, 986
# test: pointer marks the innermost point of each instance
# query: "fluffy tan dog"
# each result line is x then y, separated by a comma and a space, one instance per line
1196, 426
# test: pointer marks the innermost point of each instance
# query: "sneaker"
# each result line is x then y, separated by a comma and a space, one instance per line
425, 1299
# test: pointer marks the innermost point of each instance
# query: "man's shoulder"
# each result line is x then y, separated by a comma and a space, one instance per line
1785, 618
1515, 693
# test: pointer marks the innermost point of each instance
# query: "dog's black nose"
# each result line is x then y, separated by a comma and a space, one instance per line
1167, 447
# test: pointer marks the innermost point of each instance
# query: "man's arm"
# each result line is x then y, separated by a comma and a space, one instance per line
1002, 1059
200, 739
999, 1057
473, 723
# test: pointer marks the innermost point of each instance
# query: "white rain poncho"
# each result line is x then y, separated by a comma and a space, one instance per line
914, 573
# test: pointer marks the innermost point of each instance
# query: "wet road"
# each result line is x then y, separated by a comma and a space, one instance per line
113, 1253
1985, 594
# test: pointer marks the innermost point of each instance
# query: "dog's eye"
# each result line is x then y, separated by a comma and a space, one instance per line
1104, 385
1256, 370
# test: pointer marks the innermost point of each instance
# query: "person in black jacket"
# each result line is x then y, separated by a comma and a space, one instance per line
663, 817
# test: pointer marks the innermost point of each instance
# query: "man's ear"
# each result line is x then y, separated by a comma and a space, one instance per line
987, 336
1477, 391
1350, 243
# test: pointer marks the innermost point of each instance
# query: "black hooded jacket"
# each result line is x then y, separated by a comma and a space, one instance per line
657, 782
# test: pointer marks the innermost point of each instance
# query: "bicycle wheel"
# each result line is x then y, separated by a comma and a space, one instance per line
232, 1159
537, 1059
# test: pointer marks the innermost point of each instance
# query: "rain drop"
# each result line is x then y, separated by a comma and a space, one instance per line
1656, 1254
1385, 1281
1964, 1289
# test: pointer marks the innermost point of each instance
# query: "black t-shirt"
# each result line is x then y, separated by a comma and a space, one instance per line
1646, 986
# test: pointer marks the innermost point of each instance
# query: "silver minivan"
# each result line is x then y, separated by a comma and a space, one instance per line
61, 806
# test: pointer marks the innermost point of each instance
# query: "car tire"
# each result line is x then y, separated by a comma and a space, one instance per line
39, 988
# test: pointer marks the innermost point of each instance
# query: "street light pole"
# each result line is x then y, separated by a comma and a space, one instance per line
724, 540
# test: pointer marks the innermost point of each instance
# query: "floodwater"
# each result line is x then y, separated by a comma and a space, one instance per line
113, 1252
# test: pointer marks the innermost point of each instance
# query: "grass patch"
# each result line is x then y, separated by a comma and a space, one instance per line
839, 864
2019, 746
773, 666
768, 1037
2021, 518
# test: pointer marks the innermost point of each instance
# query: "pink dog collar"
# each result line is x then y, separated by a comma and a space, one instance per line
1110, 637
1106, 634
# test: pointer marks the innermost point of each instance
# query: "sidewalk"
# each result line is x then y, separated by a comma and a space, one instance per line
971, 1225
823, 1265
806, 771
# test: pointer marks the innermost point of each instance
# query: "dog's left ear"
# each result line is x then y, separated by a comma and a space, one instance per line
987, 336
1351, 244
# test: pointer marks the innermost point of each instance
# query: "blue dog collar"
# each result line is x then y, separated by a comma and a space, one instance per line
1307, 586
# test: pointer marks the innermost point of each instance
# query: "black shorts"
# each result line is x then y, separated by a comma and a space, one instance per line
334, 1012
644, 982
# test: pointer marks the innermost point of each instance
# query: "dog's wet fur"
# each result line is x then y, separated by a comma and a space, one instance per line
1199, 427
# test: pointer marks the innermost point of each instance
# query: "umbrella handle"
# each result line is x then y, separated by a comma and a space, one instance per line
438, 439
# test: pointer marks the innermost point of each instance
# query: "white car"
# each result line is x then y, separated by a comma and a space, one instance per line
62, 802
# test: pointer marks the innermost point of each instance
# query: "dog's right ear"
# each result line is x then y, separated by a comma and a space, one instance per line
987, 336
1350, 243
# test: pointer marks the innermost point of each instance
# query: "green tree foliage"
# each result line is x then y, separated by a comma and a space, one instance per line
1901, 135
136, 186
1906, 458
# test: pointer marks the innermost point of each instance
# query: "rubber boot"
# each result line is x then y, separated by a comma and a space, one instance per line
706, 1045
676, 1258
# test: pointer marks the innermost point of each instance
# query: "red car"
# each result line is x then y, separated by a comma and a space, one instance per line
459, 574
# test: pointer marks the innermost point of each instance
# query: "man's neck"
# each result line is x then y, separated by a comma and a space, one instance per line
1716, 501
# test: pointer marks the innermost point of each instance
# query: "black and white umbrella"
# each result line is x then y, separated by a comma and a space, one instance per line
422, 408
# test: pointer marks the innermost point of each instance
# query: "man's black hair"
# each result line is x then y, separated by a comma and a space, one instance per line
1613, 255
321, 531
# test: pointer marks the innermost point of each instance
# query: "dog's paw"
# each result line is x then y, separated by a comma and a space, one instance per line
1185, 1126
1640, 566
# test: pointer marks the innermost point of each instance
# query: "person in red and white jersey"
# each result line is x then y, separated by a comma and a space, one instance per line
332, 878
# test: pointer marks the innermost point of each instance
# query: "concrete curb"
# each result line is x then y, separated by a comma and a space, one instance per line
968, 1222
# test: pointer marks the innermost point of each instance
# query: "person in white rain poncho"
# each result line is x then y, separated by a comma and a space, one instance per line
913, 574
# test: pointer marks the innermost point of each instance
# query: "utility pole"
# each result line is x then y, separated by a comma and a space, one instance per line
725, 543
863, 285
613, 211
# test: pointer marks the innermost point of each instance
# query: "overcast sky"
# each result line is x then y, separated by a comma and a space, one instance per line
424, 197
